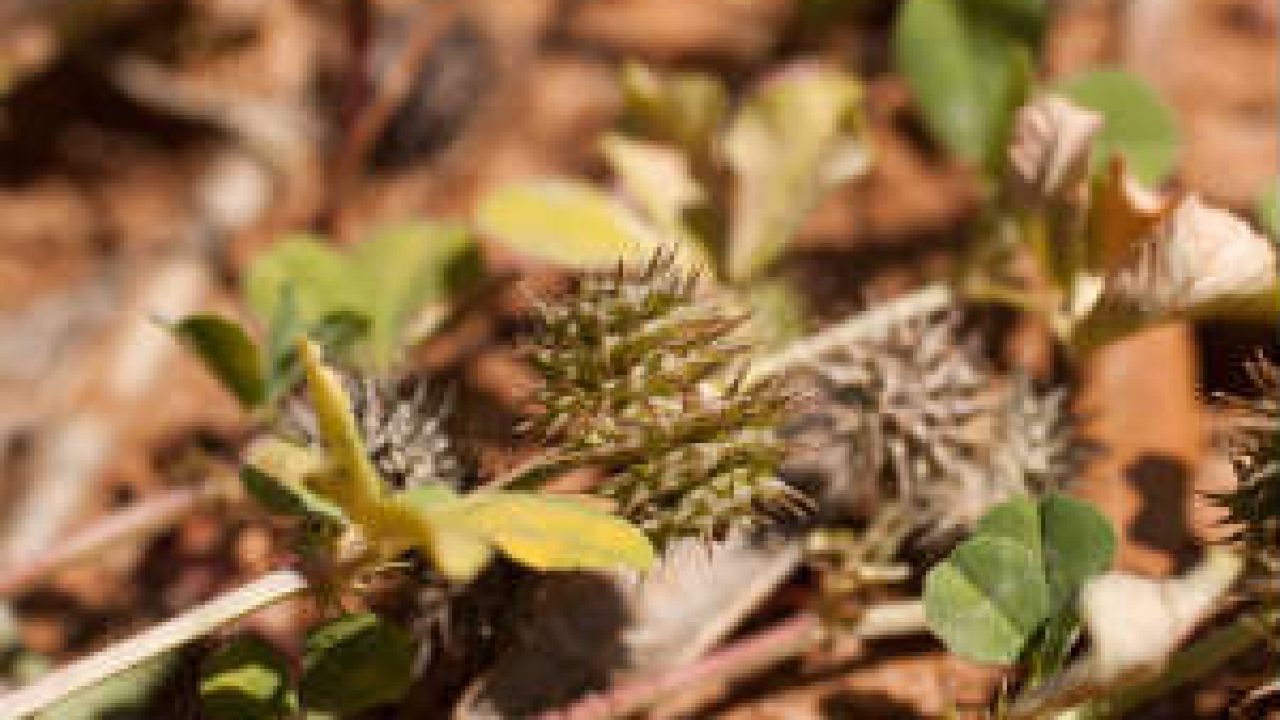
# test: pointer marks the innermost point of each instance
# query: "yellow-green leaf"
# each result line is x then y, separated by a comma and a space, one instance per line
657, 178
387, 278
686, 109
566, 222
545, 532
356, 488
796, 139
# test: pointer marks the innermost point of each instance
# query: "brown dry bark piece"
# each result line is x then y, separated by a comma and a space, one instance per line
1139, 402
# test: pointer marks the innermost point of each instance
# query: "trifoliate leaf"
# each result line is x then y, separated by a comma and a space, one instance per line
1071, 540
247, 679
565, 222
356, 662
229, 353
987, 599
1138, 125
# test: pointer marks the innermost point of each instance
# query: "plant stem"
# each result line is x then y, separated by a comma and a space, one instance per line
166, 636
869, 324
785, 640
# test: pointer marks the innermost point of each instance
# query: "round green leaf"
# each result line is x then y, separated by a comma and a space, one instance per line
356, 662
228, 352
968, 70
565, 222
1071, 540
1137, 125
246, 679
1078, 542
987, 599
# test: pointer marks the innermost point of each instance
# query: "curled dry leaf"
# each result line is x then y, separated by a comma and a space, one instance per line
1200, 261
1051, 146
1125, 212
1201, 258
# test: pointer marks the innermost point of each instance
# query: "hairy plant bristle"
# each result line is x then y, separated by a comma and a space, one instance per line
1253, 443
917, 417
642, 376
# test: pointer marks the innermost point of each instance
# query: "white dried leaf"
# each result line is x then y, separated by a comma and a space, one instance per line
1052, 142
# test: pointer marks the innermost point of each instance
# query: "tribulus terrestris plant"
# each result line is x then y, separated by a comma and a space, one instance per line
644, 376
921, 417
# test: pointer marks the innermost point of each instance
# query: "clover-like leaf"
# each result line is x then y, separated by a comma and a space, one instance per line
793, 141
987, 599
969, 71
1137, 124
1071, 540
386, 279
355, 662
565, 222
247, 679
229, 353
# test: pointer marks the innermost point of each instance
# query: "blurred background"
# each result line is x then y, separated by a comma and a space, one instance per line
150, 150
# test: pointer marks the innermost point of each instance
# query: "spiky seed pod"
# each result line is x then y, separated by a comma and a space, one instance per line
405, 433
1253, 442
404, 427
1039, 450
639, 378
919, 418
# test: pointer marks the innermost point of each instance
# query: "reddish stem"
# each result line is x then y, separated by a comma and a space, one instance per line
789, 638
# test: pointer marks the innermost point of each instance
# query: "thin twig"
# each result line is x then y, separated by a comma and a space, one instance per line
869, 324
161, 638
785, 640
149, 516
